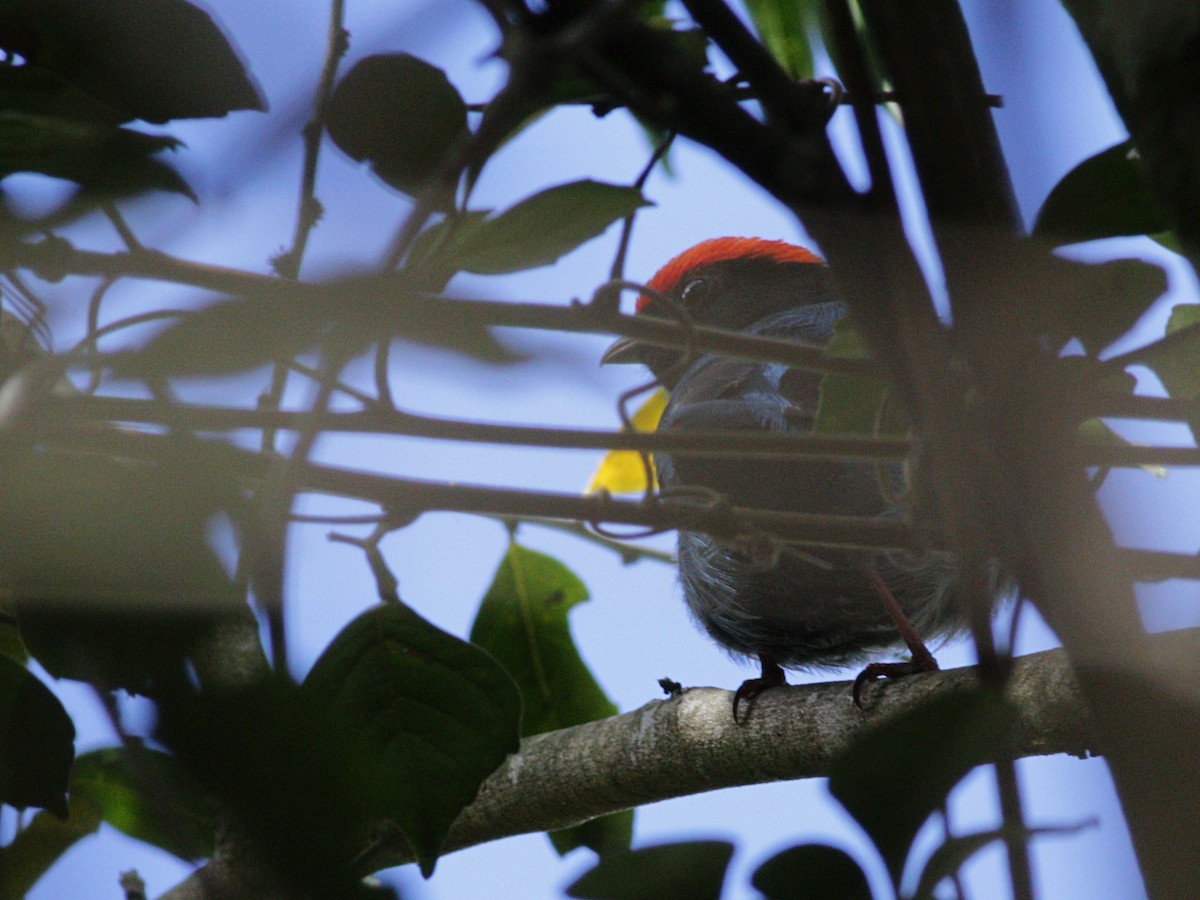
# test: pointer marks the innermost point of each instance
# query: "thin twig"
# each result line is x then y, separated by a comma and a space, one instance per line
411, 496
628, 552
617, 272
386, 583
55, 258
309, 211
395, 422
91, 340
379, 420
745, 92
1015, 839
118, 222
272, 507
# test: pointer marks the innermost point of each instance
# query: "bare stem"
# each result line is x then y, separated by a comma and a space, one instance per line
309, 211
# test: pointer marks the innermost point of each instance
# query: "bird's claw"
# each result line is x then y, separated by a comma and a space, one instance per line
875, 671
772, 676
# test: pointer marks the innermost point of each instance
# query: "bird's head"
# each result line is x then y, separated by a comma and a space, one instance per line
724, 283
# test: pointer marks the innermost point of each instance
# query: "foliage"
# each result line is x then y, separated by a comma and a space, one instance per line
116, 531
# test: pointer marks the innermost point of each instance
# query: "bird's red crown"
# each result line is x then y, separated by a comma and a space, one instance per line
720, 250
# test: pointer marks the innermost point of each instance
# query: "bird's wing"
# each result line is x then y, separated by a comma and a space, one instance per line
725, 394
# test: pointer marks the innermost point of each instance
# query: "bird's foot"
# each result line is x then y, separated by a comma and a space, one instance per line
921, 662
772, 676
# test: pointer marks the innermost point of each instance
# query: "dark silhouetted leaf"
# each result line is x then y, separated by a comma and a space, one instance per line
895, 775
345, 317
146, 794
1174, 357
1106, 195
110, 564
36, 742
51, 128
400, 114
562, 85
523, 623
607, 834
539, 230
154, 60
783, 27
686, 871
38, 846
812, 872
950, 856
1096, 302
283, 767
424, 718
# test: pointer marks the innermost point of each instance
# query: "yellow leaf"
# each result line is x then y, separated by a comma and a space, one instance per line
622, 471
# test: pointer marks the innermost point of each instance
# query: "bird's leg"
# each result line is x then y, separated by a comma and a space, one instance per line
772, 676
922, 660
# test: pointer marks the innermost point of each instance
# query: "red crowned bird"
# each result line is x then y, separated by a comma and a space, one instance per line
795, 607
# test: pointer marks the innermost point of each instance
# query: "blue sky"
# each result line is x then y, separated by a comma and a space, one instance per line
634, 630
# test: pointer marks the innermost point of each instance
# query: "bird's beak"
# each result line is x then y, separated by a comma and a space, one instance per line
623, 350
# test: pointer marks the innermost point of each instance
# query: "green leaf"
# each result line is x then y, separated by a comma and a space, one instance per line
431, 261
11, 644
813, 871
783, 27
685, 871
542, 228
1168, 239
895, 775
1106, 195
109, 562
345, 317
147, 795
523, 623
37, 742
851, 404
38, 846
425, 716
403, 116
1176, 358
154, 60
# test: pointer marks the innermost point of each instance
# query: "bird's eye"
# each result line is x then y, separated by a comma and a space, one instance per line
693, 290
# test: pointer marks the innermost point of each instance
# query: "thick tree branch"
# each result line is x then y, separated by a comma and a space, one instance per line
690, 744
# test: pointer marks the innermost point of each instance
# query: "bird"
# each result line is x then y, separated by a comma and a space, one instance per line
786, 606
